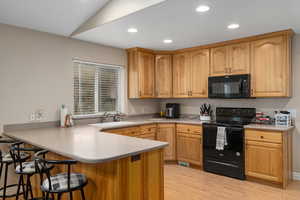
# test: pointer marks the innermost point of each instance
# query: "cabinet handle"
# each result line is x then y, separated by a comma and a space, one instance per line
262, 137
252, 92
140, 93
191, 93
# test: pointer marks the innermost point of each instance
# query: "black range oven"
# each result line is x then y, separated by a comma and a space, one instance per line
231, 160
229, 87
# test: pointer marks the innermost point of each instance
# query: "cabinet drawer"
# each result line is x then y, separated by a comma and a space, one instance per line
189, 129
149, 136
148, 129
133, 131
264, 136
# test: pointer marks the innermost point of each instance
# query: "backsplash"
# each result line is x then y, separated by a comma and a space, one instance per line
268, 106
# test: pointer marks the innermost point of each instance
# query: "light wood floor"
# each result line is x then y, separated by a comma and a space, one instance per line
183, 183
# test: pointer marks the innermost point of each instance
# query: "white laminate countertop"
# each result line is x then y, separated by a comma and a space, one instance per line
86, 143
129, 123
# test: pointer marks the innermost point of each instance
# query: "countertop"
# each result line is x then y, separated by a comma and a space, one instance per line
86, 143
137, 122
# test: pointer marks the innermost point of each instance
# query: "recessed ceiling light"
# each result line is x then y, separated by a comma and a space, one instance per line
233, 26
168, 41
203, 8
132, 30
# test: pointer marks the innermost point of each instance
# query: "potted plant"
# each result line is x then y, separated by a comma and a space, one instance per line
205, 112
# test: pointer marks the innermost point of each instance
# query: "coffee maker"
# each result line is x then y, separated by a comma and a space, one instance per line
172, 110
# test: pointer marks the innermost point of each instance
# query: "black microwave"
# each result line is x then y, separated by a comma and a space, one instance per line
229, 87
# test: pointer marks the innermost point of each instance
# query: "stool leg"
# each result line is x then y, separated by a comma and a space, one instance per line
82, 194
1, 170
71, 196
19, 187
5, 181
23, 186
30, 187
59, 196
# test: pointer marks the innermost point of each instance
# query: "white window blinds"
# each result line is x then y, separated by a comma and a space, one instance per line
96, 88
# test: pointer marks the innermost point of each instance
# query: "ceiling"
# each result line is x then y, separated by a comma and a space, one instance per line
60, 17
172, 19
177, 20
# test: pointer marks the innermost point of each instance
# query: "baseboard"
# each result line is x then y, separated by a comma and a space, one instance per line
296, 176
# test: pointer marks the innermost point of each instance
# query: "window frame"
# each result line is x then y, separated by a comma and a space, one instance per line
121, 87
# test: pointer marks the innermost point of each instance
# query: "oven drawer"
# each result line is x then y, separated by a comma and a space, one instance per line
264, 136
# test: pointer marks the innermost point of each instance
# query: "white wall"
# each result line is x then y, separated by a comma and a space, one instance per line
36, 72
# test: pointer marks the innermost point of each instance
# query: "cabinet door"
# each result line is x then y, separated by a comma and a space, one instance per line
189, 148
239, 58
199, 73
219, 62
270, 71
166, 133
181, 75
146, 75
163, 75
264, 160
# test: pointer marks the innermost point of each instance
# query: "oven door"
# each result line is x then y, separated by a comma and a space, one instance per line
229, 87
228, 162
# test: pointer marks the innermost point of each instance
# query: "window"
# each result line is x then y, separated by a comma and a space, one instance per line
96, 88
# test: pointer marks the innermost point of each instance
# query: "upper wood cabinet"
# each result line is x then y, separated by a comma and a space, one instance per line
239, 58
184, 73
271, 67
190, 75
181, 75
141, 74
199, 73
219, 63
166, 133
230, 60
163, 76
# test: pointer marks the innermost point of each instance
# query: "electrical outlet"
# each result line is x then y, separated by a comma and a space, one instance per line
32, 116
293, 113
39, 115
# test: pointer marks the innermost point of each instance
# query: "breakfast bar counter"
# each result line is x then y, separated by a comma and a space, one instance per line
117, 167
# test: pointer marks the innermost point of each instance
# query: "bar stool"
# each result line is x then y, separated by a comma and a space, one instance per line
62, 182
6, 160
25, 169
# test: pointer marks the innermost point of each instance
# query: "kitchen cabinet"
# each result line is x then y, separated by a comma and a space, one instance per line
269, 155
199, 73
266, 57
264, 160
239, 58
181, 75
271, 67
163, 76
148, 132
230, 60
189, 144
191, 72
218, 62
141, 74
131, 131
166, 133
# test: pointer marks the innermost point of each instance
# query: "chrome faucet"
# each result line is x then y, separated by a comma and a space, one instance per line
116, 117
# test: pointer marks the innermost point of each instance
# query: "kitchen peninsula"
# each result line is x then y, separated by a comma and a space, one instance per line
118, 167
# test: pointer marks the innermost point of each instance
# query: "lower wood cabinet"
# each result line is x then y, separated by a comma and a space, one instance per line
166, 133
264, 160
269, 155
189, 148
189, 143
